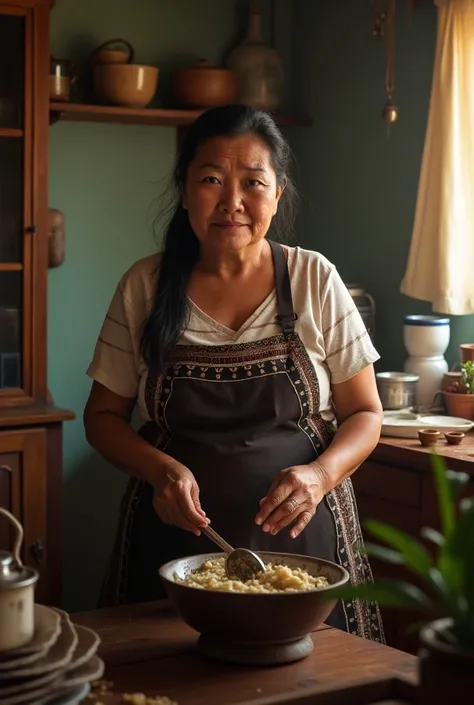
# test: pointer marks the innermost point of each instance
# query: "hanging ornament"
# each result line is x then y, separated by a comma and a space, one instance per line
390, 111
379, 17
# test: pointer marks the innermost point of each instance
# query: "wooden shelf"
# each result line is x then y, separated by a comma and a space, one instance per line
75, 112
10, 132
11, 267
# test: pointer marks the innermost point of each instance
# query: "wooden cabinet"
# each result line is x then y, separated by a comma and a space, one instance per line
395, 485
30, 426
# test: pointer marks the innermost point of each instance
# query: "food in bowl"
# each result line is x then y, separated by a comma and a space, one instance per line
277, 578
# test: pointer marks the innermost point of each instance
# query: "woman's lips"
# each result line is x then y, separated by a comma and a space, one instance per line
230, 225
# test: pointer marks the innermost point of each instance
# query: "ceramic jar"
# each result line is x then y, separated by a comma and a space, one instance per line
426, 339
17, 587
258, 66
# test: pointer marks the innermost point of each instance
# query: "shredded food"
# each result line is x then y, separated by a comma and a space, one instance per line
103, 687
211, 575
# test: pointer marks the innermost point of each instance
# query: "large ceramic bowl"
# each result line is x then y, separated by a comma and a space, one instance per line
252, 627
128, 85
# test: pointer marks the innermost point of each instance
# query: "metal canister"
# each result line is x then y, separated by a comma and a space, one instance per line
366, 306
397, 390
17, 587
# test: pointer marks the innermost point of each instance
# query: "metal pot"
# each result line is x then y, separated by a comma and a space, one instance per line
17, 587
366, 306
397, 390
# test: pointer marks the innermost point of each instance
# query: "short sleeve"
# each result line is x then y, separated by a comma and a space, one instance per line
348, 345
115, 360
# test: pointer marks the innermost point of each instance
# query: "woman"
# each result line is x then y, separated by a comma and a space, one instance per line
241, 354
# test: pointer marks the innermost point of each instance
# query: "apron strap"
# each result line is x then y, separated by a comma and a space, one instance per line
286, 314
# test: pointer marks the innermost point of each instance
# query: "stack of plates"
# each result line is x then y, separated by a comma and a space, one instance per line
57, 666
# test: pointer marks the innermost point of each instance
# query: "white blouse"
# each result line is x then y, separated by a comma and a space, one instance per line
328, 324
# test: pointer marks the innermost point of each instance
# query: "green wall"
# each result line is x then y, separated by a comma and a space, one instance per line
106, 178
358, 185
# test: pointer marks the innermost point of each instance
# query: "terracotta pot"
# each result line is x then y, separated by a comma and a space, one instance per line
130, 85
450, 378
460, 405
446, 674
467, 351
204, 86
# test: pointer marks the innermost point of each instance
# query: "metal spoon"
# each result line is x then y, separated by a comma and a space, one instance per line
240, 563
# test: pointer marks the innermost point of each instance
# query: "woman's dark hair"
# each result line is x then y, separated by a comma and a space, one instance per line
170, 311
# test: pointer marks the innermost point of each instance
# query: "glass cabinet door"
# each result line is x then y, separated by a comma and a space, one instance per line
14, 134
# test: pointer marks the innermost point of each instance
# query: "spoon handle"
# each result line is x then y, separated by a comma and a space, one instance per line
211, 534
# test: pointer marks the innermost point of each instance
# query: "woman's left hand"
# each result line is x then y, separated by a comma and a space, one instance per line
293, 497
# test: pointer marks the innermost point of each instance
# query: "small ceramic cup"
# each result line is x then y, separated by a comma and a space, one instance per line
454, 437
428, 436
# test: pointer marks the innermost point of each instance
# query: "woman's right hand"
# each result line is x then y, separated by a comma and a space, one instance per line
176, 498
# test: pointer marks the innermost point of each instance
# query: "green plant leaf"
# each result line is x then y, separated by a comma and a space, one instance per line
443, 492
457, 482
442, 589
461, 547
415, 555
432, 535
393, 593
384, 554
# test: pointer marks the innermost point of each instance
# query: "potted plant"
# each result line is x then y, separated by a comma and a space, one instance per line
446, 592
459, 397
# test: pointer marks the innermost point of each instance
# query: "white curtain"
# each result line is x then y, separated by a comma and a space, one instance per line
440, 266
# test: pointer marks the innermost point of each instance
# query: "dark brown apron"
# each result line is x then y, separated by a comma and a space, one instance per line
236, 415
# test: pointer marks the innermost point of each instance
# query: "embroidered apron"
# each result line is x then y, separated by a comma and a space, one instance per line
236, 415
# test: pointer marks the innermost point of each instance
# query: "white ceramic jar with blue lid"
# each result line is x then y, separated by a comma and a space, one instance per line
426, 336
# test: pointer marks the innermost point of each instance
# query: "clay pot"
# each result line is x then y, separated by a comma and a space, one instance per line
454, 438
460, 405
449, 378
109, 53
428, 436
129, 85
467, 351
117, 80
203, 86
446, 674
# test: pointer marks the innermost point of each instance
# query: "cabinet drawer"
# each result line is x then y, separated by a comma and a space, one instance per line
406, 519
23, 493
397, 485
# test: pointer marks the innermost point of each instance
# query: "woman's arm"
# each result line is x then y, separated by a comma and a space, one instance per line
297, 491
359, 416
107, 425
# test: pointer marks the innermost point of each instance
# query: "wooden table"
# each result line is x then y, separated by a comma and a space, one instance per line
148, 648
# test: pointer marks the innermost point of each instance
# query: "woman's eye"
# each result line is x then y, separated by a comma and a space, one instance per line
254, 182
211, 180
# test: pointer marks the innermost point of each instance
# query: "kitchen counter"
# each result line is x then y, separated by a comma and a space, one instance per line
148, 648
395, 485
409, 451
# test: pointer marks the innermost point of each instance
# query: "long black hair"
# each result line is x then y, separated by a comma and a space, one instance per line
170, 310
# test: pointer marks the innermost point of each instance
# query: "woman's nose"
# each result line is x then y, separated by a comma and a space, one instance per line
231, 199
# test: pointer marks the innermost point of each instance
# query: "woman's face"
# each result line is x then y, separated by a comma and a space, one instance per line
231, 192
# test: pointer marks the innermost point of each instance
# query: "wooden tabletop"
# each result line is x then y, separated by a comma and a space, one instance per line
410, 452
148, 649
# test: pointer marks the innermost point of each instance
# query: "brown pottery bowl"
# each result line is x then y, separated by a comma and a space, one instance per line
254, 628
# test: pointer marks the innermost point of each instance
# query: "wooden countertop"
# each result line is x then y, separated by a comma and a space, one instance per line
148, 648
410, 453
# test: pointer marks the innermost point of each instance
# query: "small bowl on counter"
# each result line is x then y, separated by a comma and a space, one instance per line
429, 436
454, 438
397, 390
